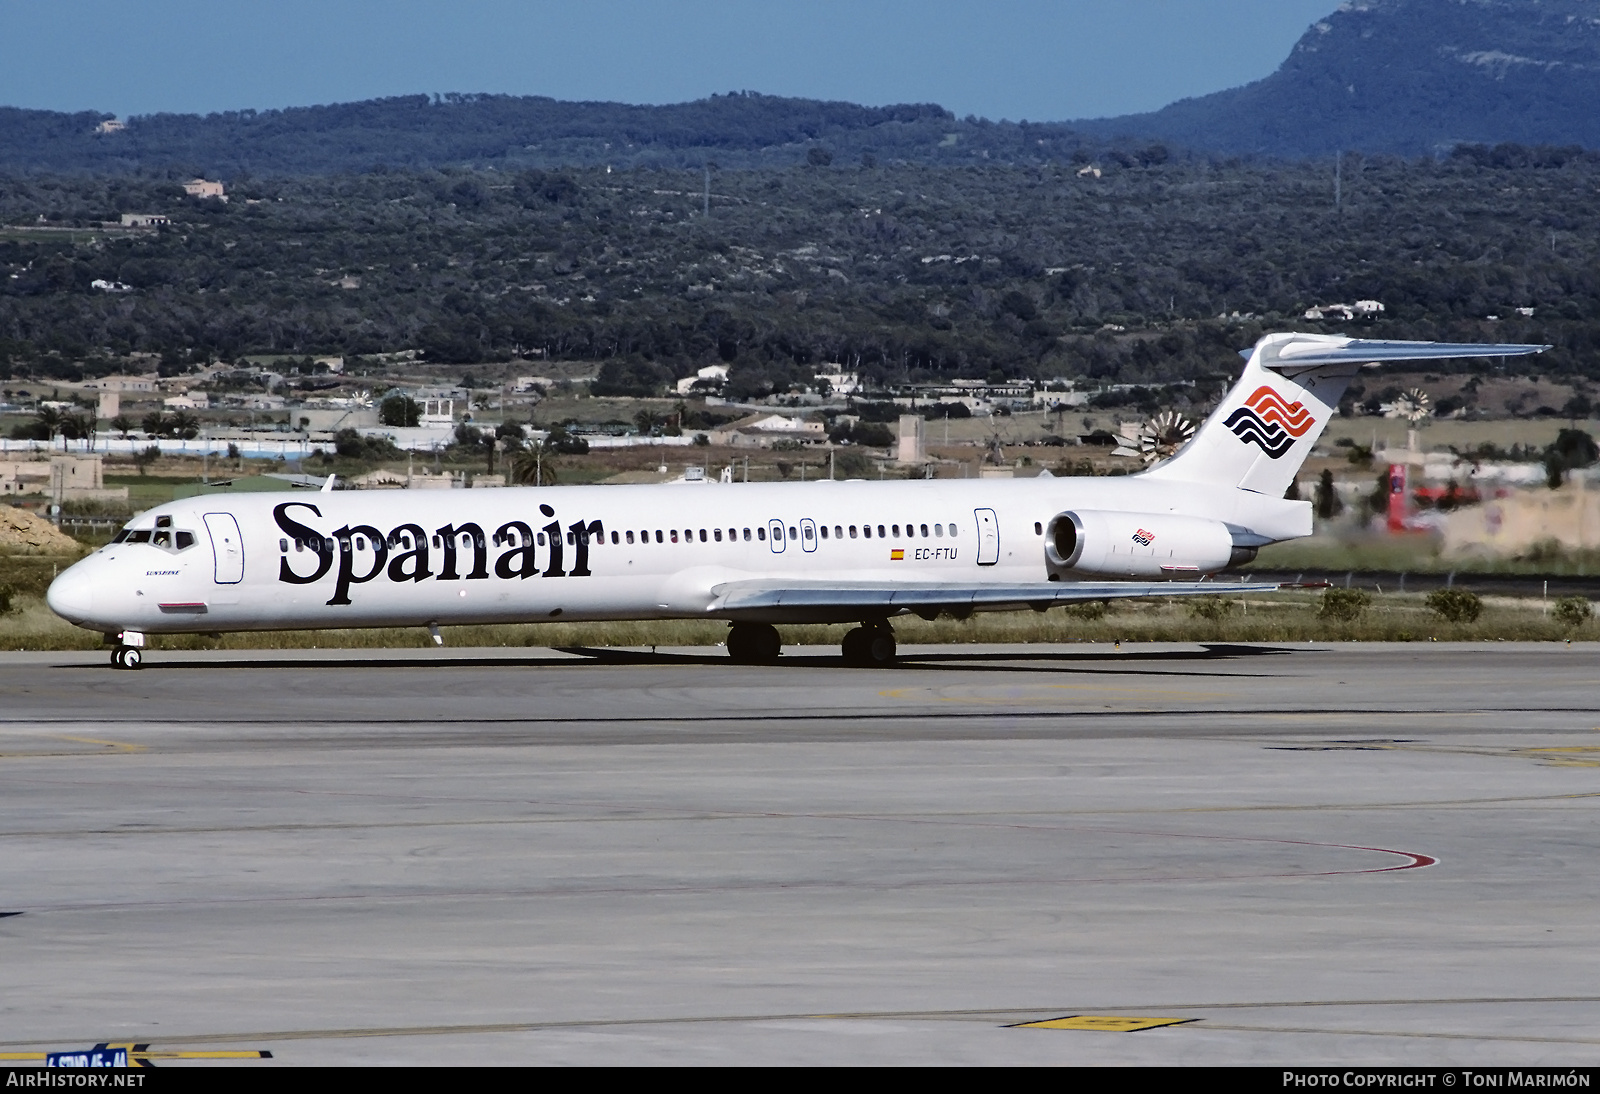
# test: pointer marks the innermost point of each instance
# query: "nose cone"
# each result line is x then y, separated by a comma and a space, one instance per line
71, 595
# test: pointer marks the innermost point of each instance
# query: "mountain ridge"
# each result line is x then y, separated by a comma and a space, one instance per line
1406, 77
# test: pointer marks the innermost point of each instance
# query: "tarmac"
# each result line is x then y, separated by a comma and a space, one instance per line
1293, 855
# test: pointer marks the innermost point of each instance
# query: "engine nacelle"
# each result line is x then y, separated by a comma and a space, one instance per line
1105, 544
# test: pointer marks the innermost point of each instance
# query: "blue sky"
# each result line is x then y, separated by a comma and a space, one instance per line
1014, 59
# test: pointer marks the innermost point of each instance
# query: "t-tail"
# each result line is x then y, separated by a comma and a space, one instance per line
1267, 425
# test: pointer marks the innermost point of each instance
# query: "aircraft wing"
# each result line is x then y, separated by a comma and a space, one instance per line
850, 601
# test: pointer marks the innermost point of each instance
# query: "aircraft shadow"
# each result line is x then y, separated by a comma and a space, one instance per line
1020, 662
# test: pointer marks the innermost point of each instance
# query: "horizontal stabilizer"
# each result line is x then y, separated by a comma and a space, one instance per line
1308, 351
849, 601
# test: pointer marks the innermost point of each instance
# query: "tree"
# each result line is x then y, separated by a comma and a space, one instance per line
399, 411
1326, 497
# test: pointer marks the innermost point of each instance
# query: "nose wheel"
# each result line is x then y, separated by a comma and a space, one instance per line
871, 646
126, 657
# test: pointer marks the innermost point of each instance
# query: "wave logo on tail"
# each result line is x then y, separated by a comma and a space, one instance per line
1269, 423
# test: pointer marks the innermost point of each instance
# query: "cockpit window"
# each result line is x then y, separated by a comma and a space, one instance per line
163, 536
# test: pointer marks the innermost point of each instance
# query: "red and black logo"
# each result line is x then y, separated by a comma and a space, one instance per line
1269, 423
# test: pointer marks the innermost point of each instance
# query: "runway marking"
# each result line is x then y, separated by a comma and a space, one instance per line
107, 748
932, 694
970, 1015
1105, 1022
140, 1055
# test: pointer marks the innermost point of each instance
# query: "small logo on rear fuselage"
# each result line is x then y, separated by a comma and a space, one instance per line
1143, 538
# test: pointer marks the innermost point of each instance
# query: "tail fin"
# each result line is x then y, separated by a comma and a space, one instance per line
1266, 426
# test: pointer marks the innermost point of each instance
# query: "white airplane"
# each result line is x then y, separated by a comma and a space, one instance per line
754, 555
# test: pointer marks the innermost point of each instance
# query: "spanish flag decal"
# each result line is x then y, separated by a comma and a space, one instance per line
897, 556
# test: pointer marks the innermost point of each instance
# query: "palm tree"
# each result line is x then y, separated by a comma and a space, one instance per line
534, 465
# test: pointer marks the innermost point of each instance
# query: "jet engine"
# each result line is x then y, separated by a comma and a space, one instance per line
1103, 544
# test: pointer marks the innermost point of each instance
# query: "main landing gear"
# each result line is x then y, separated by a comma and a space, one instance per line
869, 646
754, 643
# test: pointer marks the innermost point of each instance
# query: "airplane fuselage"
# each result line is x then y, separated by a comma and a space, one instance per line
411, 558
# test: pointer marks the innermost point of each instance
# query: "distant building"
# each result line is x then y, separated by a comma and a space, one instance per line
761, 430
203, 188
841, 382
144, 220
188, 400
110, 125
122, 384
1361, 309
711, 378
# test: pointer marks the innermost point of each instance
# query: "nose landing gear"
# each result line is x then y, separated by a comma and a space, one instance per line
869, 646
125, 649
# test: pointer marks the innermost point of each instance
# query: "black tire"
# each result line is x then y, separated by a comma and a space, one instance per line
854, 647
880, 647
116, 657
754, 644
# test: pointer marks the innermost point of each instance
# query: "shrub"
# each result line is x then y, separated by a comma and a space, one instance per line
1571, 611
1088, 611
6, 593
1455, 605
1213, 609
1344, 605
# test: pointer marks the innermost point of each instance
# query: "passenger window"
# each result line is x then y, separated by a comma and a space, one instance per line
674, 535
895, 528
952, 529
283, 546
880, 532
807, 528
761, 533
938, 530
852, 531
924, 531
630, 537
718, 534
615, 539
824, 531
747, 534
658, 536
703, 535
866, 531
838, 531
361, 543
1038, 529
792, 534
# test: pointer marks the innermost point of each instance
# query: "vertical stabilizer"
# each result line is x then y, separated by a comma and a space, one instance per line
1266, 426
